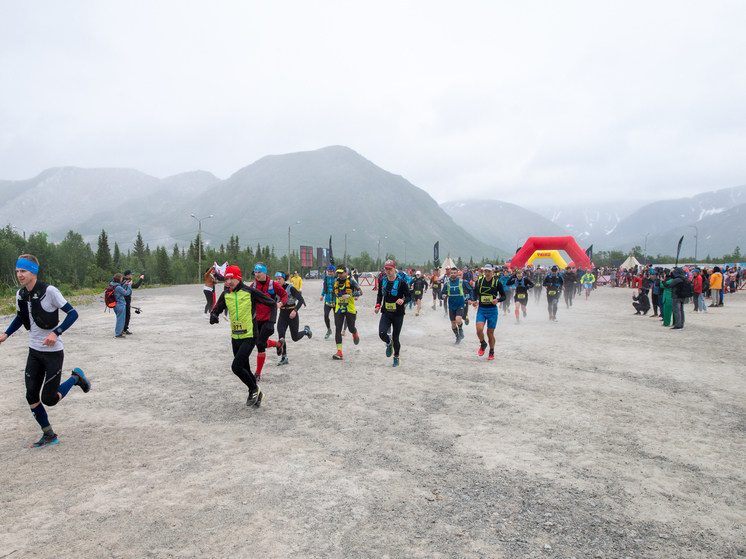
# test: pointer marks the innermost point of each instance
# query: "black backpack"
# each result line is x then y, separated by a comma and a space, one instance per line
685, 289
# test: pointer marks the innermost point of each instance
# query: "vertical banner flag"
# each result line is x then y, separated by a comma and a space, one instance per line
306, 257
436, 255
589, 253
678, 250
321, 258
331, 254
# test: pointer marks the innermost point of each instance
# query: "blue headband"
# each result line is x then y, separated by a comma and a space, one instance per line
260, 268
279, 275
24, 264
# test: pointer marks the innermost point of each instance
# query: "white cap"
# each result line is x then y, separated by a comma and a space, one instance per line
418, 273
488, 267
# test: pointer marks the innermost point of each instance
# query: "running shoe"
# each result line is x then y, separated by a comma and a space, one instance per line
482, 347
47, 439
356, 339
458, 340
328, 333
555, 320
307, 329
253, 397
396, 362
461, 334
433, 307
259, 399
81, 380
257, 376
127, 332
491, 356
389, 349
524, 314
338, 356
283, 361
417, 313
278, 347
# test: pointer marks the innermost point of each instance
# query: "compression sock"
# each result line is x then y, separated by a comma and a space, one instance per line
260, 358
339, 347
66, 386
271, 343
517, 312
455, 331
40, 414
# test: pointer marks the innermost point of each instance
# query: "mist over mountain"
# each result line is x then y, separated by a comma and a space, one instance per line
331, 191
500, 223
590, 222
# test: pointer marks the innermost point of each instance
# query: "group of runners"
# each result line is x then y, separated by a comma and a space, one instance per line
255, 308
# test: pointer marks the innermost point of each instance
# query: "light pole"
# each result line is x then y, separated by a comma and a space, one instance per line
378, 263
19, 229
199, 240
289, 226
696, 238
346, 248
645, 250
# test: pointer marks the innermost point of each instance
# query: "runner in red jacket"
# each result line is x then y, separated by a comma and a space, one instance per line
266, 315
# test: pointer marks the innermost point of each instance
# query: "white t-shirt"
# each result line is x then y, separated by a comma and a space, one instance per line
52, 300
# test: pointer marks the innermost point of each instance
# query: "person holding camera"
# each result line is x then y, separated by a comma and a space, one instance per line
128, 298
122, 289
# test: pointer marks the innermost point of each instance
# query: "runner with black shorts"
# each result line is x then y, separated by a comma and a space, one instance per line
419, 286
240, 301
393, 295
435, 284
289, 318
266, 315
457, 291
37, 310
521, 284
554, 285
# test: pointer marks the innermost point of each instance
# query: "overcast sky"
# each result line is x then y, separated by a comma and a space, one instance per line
516, 101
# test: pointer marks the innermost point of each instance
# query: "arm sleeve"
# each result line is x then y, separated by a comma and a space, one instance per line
14, 326
220, 305
70, 318
357, 292
297, 294
406, 294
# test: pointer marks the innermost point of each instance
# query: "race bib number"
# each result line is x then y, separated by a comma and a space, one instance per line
552, 292
487, 298
238, 327
390, 306
418, 292
521, 295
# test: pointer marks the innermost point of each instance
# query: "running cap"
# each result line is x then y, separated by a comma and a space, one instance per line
389, 264
296, 271
127, 272
330, 268
555, 269
260, 268
280, 275
488, 267
232, 272
27, 265
418, 273
341, 270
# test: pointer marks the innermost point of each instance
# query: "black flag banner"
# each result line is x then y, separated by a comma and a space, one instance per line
589, 253
678, 250
331, 255
436, 255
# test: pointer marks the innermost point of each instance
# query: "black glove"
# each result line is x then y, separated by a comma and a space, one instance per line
214, 319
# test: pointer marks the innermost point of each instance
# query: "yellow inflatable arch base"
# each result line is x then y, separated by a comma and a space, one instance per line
553, 254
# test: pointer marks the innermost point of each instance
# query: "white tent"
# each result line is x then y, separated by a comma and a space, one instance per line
631, 262
448, 263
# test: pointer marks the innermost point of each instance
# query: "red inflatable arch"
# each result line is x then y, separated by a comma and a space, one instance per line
567, 244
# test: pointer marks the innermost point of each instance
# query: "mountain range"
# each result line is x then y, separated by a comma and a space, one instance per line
336, 191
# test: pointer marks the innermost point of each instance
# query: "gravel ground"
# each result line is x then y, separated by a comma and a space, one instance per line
603, 435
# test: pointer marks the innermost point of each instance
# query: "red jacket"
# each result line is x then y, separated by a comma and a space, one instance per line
265, 312
697, 282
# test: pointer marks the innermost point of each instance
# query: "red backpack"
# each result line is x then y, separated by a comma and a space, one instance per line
110, 298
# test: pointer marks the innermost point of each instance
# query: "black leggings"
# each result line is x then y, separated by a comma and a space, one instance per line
241, 368
327, 310
569, 293
655, 303
339, 322
264, 329
41, 364
552, 301
383, 330
210, 298
283, 322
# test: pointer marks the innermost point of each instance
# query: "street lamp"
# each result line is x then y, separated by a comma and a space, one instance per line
645, 252
346, 248
19, 229
696, 237
199, 239
289, 226
378, 267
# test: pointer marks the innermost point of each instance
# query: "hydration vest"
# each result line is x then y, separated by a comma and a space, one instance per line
395, 289
292, 301
44, 319
460, 288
